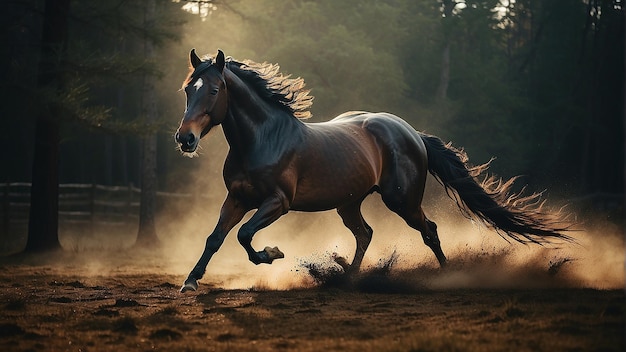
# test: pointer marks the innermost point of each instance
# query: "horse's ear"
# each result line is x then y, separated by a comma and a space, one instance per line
219, 60
194, 60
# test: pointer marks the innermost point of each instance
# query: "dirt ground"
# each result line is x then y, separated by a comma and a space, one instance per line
65, 307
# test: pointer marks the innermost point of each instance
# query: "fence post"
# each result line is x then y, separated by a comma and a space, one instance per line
6, 209
92, 209
129, 201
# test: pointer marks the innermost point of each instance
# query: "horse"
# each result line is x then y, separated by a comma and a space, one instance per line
278, 163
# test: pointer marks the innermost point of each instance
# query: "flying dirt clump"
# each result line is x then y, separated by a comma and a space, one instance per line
331, 273
326, 272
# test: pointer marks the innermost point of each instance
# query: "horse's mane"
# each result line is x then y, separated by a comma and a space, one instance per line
267, 80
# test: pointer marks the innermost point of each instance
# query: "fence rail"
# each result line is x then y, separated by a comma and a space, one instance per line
88, 205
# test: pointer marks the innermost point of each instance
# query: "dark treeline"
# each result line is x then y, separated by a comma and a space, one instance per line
538, 84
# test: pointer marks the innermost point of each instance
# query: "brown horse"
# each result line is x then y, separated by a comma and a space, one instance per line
278, 163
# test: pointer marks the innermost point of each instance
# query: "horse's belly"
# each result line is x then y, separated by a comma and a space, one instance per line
327, 199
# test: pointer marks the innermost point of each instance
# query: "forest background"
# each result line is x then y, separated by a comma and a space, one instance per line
537, 84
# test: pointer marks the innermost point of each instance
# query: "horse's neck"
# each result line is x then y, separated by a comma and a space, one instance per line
239, 124
250, 117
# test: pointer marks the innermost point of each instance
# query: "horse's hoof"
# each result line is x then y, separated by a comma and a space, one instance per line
189, 285
273, 253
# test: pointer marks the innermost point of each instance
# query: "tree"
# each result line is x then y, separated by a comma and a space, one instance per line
147, 212
43, 218
444, 76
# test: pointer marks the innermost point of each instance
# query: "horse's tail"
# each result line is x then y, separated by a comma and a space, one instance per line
515, 215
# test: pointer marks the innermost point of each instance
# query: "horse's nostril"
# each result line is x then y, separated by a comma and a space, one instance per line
186, 140
191, 139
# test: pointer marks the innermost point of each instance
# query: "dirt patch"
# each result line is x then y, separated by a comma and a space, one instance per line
69, 308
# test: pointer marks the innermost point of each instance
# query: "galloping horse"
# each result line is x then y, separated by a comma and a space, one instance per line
277, 163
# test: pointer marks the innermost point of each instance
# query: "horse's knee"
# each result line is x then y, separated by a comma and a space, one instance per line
245, 235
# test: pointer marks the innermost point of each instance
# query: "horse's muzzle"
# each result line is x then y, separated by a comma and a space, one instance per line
188, 141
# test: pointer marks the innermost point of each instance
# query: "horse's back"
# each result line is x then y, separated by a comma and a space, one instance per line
349, 115
389, 130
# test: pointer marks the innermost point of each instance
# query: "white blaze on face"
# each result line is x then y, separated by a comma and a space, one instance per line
198, 84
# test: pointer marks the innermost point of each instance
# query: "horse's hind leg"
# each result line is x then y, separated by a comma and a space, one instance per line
428, 229
410, 210
402, 192
353, 219
418, 221
431, 239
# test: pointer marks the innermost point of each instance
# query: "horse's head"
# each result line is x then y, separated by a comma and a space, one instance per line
207, 100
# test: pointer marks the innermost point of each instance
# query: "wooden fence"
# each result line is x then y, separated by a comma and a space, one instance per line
81, 205
78, 204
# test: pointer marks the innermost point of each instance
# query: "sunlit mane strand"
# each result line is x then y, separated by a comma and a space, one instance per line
284, 89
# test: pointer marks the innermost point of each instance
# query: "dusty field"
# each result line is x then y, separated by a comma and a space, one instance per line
66, 307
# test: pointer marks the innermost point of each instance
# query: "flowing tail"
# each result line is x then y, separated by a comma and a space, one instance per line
511, 214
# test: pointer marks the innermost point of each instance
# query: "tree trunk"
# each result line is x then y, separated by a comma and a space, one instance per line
147, 229
44, 199
444, 75
108, 160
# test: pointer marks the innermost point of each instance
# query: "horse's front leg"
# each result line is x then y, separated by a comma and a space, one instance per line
269, 211
232, 212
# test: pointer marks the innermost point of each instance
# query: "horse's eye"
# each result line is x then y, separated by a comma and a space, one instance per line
215, 91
